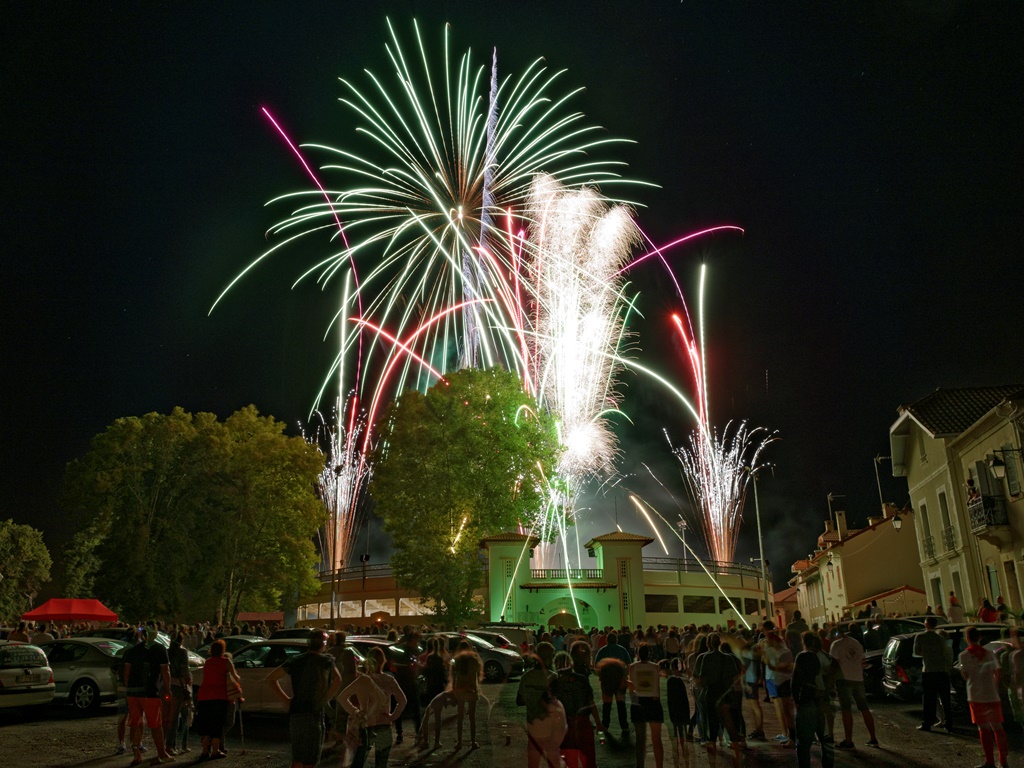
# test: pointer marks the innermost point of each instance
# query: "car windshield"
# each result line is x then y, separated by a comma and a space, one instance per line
111, 647
19, 656
479, 641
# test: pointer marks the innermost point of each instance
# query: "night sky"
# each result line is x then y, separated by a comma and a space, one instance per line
871, 151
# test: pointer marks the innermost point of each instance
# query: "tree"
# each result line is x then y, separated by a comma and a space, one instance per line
24, 565
466, 460
184, 514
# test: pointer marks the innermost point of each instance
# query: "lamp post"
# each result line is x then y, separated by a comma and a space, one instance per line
760, 542
682, 533
878, 480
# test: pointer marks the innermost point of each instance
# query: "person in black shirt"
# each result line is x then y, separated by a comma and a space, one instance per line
315, 681
809, 696
148, 678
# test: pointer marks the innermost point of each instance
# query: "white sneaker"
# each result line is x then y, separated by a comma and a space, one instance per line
121, 749
781, 737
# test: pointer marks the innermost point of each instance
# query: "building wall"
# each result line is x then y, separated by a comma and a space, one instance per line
630, 595
951, 556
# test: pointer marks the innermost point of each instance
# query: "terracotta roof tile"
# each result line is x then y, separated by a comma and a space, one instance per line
949, 412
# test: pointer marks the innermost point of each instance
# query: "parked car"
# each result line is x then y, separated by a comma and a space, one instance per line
254, 664
497, 639
902, 670
499, 663
26, 679
291, 633
1002, 649
233, 643
874, 634
520, 634
85, 670
120, 633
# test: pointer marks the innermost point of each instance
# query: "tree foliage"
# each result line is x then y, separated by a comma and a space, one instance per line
24, 565
464, 461
182, 515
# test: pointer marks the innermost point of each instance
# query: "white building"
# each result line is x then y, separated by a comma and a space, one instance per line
960, 452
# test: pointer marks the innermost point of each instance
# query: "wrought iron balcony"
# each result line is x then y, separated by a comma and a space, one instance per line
561, 574
986, 512
928, 545
948, 539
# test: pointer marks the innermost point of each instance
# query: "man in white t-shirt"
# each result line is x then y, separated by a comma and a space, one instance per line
980, 669
849, 654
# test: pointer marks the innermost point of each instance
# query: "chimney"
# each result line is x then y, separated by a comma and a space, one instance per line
874, 520
888, 510
841, 523
828, 526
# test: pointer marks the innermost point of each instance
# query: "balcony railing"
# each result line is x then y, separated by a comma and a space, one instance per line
986, 511
692, 566
356, 572
928, 544
948, 539
561, 574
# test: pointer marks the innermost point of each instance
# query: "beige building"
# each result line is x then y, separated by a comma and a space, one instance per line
852, 567
960, 452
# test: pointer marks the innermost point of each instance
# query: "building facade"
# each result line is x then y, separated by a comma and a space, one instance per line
852, 567
959, 450
624, 589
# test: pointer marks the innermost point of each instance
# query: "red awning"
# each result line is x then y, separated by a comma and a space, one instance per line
71, 609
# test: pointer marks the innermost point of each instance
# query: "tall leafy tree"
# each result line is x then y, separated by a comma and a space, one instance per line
181, 514
24, 564
463, 461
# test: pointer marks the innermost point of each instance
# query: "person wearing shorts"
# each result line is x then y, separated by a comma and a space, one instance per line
849, 654
147, 672
778, 662
981, 670
645, 689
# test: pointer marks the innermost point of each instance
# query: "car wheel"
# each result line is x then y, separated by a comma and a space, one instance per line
493, 673
85, 696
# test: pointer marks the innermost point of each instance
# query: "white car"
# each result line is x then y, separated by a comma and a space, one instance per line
254, 663
26, 679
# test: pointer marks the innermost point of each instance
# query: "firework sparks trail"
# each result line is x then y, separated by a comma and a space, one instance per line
717, 467
577, 245
341, 485
427, 206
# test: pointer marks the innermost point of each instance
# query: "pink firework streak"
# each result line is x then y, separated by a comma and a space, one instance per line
341, 231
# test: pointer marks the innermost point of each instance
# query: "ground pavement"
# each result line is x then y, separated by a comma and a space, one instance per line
62, 739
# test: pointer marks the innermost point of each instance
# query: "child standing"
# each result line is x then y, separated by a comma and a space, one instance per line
678, 702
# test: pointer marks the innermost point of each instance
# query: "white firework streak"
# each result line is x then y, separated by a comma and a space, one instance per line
341, 484
717, 469
578, 244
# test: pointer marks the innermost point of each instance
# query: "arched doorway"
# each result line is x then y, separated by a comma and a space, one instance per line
562, 612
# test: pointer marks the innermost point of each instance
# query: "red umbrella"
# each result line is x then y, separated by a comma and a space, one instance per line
71, 609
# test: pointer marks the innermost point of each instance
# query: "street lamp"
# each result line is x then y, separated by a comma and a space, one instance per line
997, 465
760, 539
897, 522
682, 533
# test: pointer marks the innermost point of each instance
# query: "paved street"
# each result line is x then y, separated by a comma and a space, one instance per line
60, 738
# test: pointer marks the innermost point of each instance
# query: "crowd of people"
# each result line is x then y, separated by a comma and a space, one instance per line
716, 684
719, 679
